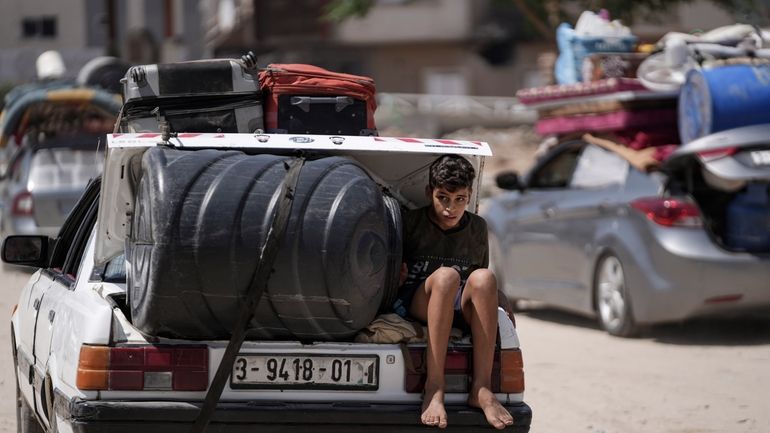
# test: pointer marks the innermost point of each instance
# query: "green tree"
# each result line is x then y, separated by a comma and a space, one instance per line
544, 15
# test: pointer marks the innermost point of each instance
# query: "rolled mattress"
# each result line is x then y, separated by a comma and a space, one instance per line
201, 218
713, 100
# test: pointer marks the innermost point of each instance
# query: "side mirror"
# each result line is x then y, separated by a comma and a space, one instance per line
26, 250
509, 180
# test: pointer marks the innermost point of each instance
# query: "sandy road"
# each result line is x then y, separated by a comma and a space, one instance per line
700, 377
11, 284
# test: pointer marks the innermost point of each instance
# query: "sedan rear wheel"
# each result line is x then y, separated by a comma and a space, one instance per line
612, 301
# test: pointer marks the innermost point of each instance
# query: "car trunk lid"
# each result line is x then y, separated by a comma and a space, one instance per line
741, 154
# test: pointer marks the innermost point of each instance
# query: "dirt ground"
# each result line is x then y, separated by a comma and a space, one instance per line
698, 377
11, 284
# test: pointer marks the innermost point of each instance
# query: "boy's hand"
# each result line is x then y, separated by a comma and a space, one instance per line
503, 301
404, 274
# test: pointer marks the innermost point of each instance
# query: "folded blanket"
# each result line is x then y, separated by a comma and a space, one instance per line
392, 328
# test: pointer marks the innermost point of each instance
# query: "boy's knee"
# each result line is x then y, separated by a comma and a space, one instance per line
483, 278
445, 278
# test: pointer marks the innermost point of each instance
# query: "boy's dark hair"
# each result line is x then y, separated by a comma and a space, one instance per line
451, 172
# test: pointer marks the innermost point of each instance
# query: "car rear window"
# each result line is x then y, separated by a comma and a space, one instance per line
599, 168
63, 167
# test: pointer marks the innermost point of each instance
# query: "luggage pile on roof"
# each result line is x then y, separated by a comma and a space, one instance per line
642, 101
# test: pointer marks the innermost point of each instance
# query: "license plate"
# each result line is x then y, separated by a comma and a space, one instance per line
305, 371
760, 157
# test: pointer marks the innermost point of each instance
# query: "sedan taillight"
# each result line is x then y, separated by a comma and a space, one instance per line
145, 367
711, 155
669, 212
22, 204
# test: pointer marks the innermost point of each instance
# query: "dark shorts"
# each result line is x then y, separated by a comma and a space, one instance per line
404, 301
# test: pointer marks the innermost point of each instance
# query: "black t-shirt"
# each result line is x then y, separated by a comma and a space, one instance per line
427, 247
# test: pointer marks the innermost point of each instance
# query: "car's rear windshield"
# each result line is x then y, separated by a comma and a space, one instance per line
64, 167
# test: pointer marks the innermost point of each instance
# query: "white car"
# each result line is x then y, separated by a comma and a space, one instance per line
83, 365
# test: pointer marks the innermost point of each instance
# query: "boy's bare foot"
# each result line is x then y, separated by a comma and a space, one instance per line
433, 411
497, 416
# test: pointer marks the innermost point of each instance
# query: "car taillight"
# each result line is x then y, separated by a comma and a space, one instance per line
511, 371
711, 155
507, 371
147, 367
669, 211
22, 204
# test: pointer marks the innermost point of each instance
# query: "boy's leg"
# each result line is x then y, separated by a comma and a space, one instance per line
433, 303
479, 304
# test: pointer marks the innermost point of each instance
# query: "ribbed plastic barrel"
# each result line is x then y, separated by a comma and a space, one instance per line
201, 218
713, 100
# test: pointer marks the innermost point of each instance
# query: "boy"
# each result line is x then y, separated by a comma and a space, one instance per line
446, 255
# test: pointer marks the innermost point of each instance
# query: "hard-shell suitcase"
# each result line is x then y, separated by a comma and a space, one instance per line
306, 99
220, 95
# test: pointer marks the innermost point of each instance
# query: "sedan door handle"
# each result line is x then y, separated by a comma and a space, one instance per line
36, 304
51, 315
549, 212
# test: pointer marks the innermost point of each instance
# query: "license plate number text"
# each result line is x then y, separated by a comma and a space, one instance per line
760, 157
301, 371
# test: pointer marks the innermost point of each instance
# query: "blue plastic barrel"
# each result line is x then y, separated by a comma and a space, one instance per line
748, 220
713, 100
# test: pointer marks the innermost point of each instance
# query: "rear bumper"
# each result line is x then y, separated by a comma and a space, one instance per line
172, 417
684, 274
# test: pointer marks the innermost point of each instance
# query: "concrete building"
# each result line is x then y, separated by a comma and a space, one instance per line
136, 30
466, 47
29, 27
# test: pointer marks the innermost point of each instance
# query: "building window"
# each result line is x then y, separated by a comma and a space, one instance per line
39, 27
29, 27
48, 27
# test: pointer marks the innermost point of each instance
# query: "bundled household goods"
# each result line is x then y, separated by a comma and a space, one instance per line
691, 86
599, 93
593, 33
234, 95
644, 105
339, 261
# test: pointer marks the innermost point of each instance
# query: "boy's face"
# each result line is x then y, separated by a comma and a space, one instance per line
448, 207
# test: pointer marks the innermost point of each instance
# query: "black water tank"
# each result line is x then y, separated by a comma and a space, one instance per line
201, 217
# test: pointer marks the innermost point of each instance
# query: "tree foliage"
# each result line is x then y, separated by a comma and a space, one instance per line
542, 16
340, 10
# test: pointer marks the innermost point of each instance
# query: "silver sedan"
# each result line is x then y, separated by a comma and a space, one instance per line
587, 232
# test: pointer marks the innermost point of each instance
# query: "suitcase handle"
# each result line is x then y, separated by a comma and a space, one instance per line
303, 102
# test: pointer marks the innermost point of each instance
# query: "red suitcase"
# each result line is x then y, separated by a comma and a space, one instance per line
306, 99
